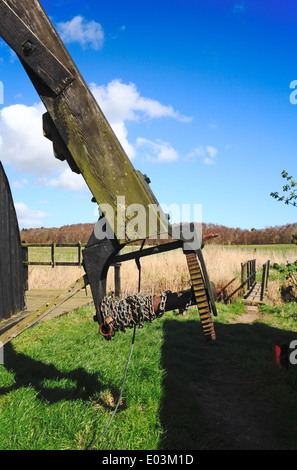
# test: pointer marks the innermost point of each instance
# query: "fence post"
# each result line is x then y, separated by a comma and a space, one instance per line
255, 271
53, 255
265, 279
244, 278
263, 283
25, 258
79, 253
117, 280
247, 277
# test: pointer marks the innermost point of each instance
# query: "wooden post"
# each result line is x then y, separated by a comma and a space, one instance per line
25, 258
244, 278
79, 253
248, 274
265, 278
117, 280
53, 254
255, 271
263, 282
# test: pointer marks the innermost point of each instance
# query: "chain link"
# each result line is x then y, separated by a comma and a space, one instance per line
131, 310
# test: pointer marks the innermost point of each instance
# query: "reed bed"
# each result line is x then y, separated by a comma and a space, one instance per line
168, 271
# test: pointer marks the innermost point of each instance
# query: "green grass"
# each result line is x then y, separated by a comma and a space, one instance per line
278, 247
61, 381
62, 254
283, 317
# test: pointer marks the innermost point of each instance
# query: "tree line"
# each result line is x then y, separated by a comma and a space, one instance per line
226, 235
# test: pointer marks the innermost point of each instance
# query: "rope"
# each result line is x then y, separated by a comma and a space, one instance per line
92, 445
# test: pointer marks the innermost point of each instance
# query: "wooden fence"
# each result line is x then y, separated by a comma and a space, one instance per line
248, 281
53, 262
248, 276
265, 279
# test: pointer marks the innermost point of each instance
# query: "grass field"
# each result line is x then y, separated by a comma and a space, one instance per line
280, 247
61, 380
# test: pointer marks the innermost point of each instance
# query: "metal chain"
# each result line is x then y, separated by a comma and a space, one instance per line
131, 310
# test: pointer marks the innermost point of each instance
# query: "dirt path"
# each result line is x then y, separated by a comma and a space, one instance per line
252, 315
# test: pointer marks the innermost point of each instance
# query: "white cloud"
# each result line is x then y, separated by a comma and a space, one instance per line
208, 161
159, 151
22, 143
122, 103
20, 184
86, 33
208, 154
198, 152
24, 147
70, 181
28, 218
212, 151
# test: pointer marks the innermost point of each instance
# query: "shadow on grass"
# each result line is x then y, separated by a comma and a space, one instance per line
29, 372
227, 394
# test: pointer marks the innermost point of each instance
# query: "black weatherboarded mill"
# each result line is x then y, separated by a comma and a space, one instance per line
12, 295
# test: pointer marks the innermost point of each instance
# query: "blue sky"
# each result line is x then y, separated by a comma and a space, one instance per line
198, 93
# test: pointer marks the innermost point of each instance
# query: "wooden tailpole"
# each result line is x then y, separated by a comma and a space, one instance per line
43, 311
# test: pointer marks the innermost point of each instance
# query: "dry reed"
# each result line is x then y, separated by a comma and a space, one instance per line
168, 271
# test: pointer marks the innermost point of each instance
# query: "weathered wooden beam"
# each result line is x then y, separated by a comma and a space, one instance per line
43, 311
50, 263
32, 52
79, 130
48, 245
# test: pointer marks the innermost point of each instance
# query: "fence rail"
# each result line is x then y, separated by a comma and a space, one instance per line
265, 278
248, 269
25, 246
248, 276
248, 280
54, 263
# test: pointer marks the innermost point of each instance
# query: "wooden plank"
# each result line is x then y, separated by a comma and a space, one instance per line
50, 263
48, 293
38, 297
48, 245
43, 311
254, 297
